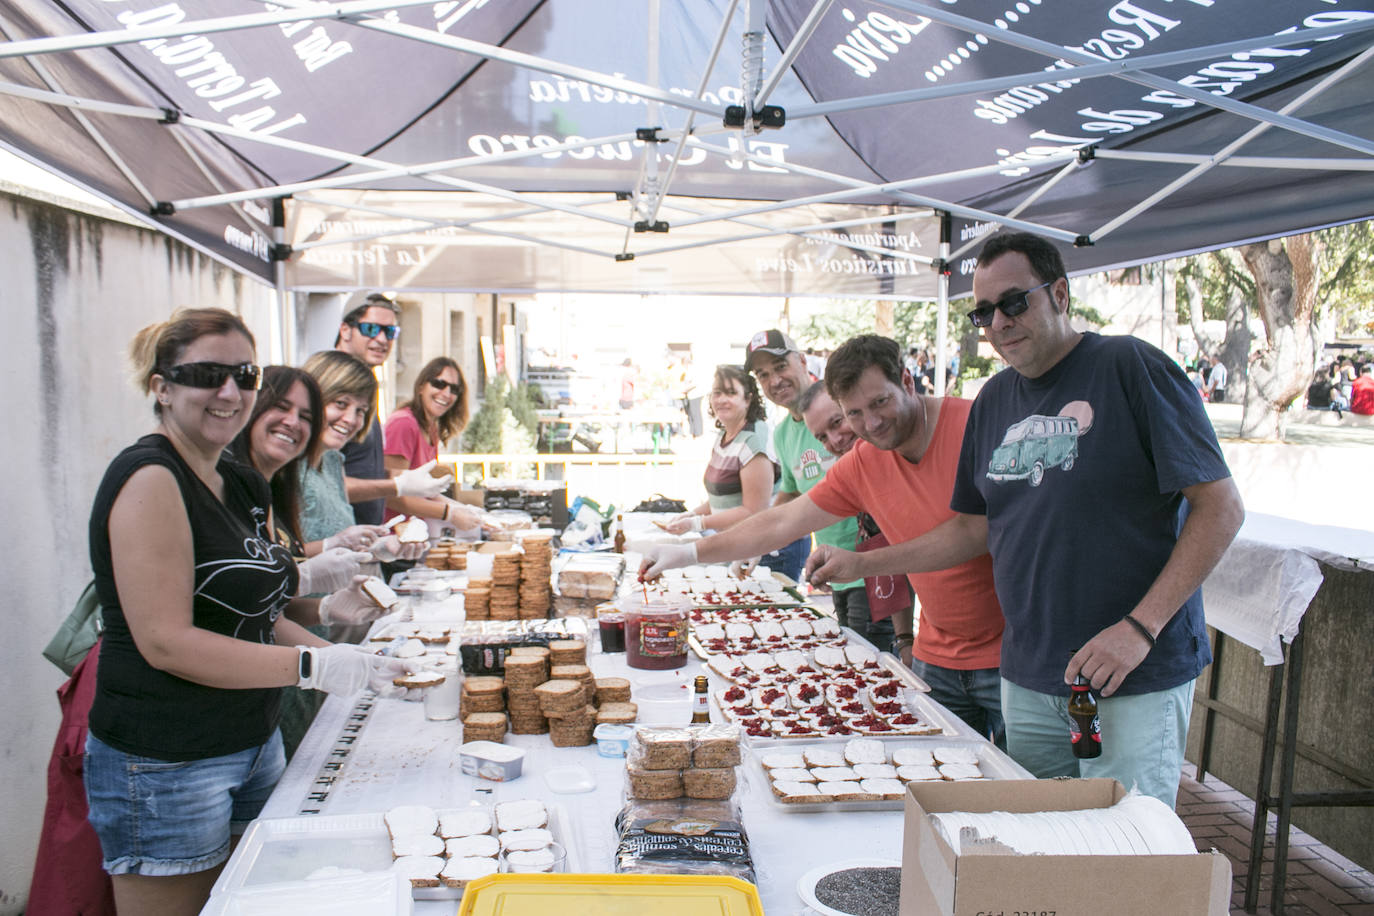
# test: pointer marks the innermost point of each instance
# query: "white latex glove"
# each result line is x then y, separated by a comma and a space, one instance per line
356, 537
462, 516
390, 549
344, 669
351, 606
418, 482
741, 569
687, 521
330, 570
658, 557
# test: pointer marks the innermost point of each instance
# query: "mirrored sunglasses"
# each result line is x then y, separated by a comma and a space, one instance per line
372, 329
246, 376
1010, 305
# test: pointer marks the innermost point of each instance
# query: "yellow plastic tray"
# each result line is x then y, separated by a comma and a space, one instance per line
610, 895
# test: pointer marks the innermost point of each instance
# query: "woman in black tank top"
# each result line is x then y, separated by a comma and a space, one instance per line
196, 645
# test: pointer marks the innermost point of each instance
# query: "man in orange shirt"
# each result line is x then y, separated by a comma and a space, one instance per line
902, 474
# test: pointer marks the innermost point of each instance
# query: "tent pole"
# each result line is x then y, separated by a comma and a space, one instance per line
942, 306
808, 26
284, 351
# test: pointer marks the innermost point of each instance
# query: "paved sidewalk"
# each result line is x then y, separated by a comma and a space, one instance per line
1321, 882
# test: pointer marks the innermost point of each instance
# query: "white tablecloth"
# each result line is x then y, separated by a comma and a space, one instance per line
399, 757
1265, 581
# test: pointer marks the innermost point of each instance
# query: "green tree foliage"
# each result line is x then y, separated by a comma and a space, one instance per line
1345, 268
506, 424
911, 323
1345, 260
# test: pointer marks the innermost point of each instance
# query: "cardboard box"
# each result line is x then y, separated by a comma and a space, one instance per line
999, 883
470, 497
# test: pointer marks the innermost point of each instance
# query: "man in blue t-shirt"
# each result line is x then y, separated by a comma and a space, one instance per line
1091, 474
779, 366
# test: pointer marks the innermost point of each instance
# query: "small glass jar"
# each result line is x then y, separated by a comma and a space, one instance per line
655, 631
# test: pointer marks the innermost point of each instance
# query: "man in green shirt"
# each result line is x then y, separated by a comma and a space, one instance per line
779, 366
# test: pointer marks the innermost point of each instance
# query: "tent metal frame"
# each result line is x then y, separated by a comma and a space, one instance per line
646, 201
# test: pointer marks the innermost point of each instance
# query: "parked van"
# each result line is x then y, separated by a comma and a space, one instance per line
1032, 445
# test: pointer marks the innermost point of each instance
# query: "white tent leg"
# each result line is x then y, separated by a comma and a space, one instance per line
942, 308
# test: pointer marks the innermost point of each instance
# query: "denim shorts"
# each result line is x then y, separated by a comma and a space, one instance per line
163, 817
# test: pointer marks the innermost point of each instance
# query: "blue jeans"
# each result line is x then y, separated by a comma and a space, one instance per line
1142, 737
789, 560
851, 610
974, 696
167, 817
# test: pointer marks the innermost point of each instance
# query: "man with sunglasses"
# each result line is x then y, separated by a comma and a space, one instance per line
1091, 474
367, 332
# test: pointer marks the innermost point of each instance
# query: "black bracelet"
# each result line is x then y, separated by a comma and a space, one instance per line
1140, 628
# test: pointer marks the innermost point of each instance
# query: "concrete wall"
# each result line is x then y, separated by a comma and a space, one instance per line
77, 287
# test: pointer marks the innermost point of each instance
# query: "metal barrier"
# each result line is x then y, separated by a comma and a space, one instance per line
622, 479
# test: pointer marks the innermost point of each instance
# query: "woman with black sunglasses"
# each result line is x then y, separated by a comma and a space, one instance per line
183, 748
436, 412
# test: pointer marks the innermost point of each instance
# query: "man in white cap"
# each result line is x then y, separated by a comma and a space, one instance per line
779, 366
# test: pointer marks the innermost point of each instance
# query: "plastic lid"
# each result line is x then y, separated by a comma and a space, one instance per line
610, 895
569, 780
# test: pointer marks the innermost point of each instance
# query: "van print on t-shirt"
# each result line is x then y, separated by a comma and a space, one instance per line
1038, 443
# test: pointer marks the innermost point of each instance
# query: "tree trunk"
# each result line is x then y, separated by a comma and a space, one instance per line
1285, 288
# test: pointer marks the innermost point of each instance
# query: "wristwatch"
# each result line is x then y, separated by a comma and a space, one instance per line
306, 664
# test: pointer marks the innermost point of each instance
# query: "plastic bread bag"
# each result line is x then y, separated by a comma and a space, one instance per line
683, 838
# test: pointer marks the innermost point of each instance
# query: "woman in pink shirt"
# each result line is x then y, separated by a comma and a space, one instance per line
436, 412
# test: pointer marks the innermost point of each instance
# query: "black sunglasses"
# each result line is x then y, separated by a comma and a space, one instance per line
372, 329
246, 376
1010, 305
441, 385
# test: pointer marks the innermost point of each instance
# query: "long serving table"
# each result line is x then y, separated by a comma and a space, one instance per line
366, 755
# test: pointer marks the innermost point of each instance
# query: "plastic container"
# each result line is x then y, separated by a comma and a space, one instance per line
489, 760
655, 631
610, 620
662, 895
613, 740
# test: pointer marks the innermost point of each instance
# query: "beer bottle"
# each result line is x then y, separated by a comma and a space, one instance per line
619, 541
1085, 732
701, 708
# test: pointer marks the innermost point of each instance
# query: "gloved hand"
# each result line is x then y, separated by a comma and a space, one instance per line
658, 557
390, 549
330, 570
741, 569
349, 606
464, 517
356, 537
343, 669
419, 482
687, 521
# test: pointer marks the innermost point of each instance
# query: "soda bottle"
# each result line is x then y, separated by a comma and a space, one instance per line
701, 708
1085, 732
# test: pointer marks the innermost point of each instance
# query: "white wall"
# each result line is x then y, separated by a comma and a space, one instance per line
77, 286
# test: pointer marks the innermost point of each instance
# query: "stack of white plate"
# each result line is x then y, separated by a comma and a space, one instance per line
1136, 825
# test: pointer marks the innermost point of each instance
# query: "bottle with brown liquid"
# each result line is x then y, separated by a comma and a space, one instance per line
701, 707
1085, 731
619, 541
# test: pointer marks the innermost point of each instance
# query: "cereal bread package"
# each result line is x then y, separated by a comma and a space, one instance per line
682, 838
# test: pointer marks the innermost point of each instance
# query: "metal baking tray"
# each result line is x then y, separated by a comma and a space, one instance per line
287, 849
994, 763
